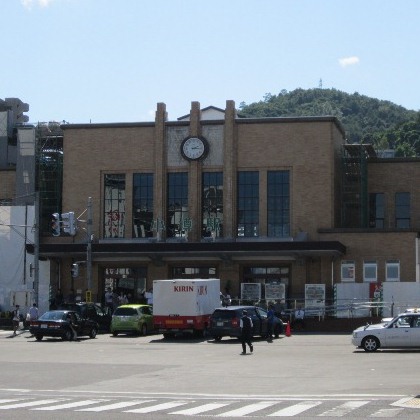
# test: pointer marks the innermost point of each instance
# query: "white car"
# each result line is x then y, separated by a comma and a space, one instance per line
402, 331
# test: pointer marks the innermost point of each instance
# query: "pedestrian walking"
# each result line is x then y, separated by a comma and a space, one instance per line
15, 319
246, 332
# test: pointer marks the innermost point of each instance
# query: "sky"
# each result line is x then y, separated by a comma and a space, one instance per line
106, 61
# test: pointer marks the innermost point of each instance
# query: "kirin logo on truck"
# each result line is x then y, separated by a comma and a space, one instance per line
201, 290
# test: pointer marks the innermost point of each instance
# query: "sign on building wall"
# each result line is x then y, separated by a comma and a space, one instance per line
251, 291
275, 291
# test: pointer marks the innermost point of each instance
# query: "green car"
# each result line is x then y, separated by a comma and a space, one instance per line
132, 319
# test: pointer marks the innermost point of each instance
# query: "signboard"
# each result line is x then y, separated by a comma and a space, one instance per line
251, 291
315, 296
275, 291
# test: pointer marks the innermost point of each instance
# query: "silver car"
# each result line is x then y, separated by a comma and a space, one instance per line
403, 331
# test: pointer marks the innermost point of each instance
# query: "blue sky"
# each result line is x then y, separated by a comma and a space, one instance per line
114, 60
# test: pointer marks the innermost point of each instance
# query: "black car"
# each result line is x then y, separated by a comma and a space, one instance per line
63, 324
93, 311
225, 322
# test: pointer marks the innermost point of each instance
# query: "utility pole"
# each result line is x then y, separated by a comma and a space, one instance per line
36, 250
89, 245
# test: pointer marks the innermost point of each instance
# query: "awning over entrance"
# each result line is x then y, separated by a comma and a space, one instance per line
160, 251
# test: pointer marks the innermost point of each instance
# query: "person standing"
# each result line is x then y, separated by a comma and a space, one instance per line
299, 318
15, 319
246, 332
33, 313
270, 322
109, 299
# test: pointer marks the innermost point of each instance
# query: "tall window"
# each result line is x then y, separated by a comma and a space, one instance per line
142, 205
212, 204
370, 271
393, 270
114, 206
348, 269
402, 210
178, 222
248, 204
278, 204
376, 210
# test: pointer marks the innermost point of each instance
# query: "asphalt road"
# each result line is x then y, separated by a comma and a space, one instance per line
302, 376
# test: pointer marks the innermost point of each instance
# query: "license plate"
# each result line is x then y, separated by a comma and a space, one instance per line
220, 324
44, 326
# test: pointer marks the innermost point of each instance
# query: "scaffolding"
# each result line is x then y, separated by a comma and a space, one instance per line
355, 200
49, 160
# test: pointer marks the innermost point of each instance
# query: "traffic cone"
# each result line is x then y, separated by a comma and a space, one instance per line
288, 332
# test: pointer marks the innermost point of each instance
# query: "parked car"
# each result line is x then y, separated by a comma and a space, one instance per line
93, 311
132, 318
225, 322
402, 331
60, 323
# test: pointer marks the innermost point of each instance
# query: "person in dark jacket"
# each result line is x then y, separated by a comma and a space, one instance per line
246, 332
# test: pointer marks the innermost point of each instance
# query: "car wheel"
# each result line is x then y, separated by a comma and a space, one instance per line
370, 343
144, 329
93, 332
68, 335
218, 338
168, 335
39, 337
115, 333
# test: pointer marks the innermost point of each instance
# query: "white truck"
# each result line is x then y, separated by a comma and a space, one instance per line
184, 306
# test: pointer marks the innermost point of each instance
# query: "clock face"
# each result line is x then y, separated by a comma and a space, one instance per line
194, 148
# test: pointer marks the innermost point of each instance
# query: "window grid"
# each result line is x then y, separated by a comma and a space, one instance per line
142, 205
278, 204
177, 210
212, 204
392, 270
114, 206
402, 210
370, 271
377, 210
248, 204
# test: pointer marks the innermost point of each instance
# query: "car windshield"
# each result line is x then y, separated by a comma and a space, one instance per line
125, 312
52, 316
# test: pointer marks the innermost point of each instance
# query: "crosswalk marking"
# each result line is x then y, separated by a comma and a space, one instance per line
69, 405
295, 409
387, 412
216, 407
200, 409
114, 406
158, 407
344, 409
29, 404
248, 409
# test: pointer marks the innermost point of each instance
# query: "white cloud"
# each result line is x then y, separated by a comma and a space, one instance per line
348, 61
27, 4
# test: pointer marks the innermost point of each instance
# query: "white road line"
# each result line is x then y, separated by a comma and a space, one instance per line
344, 409
387, 412
113, 406
295, 409
248, 409
28, 404
10, 400
158, 407
69, 405
200, 409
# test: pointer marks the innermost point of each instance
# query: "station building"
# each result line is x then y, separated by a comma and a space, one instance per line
268, 205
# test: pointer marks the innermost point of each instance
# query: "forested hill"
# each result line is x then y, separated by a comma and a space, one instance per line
366, 120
